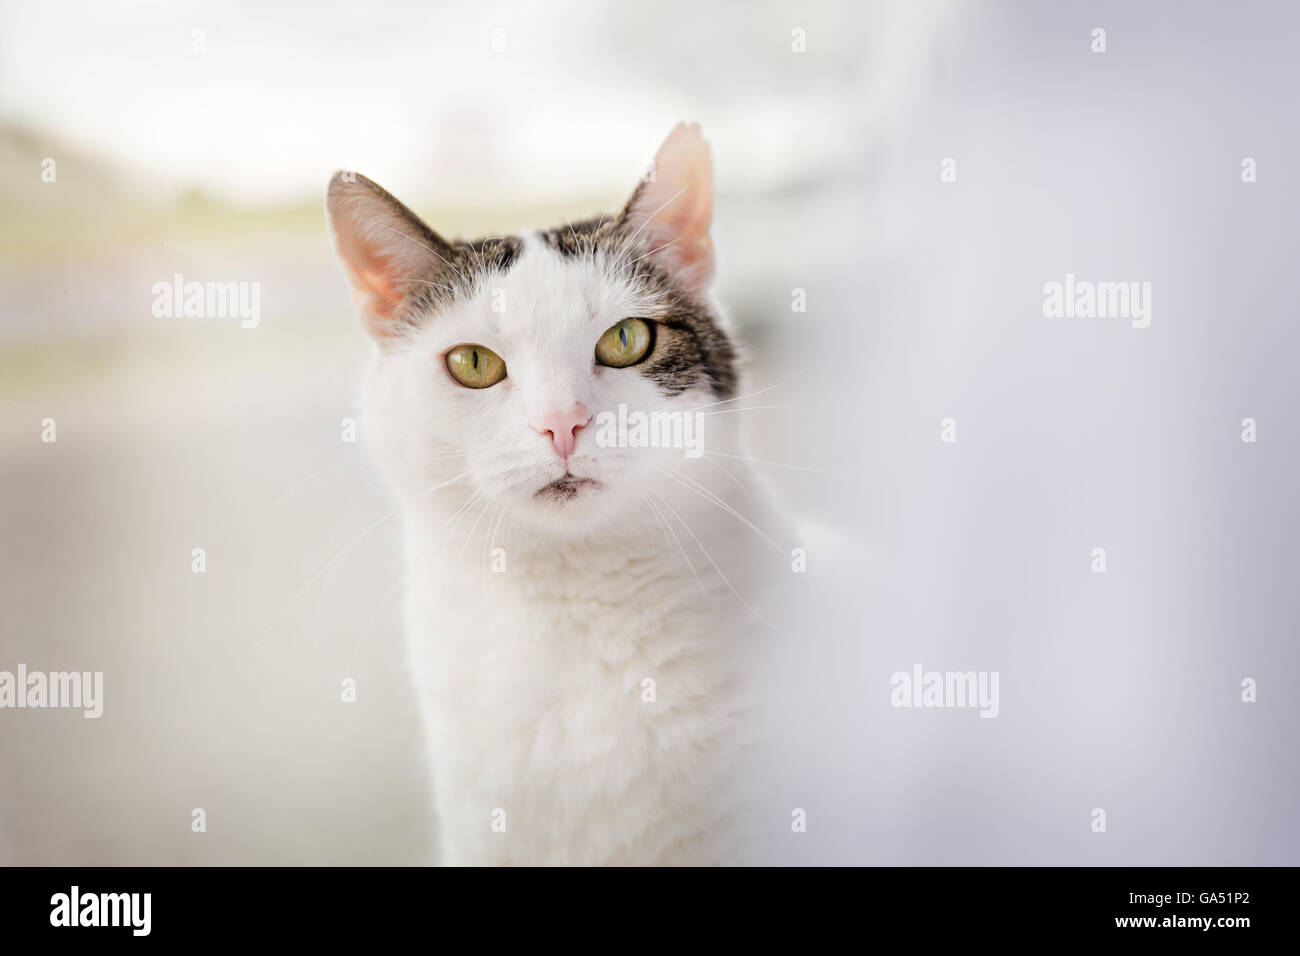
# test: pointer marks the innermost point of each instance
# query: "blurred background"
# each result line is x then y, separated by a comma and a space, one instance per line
196, 138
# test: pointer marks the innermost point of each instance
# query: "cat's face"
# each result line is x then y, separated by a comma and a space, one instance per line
501, 363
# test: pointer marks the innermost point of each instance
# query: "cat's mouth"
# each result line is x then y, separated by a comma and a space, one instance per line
566, 488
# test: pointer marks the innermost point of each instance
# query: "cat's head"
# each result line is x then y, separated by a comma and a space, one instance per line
496, 358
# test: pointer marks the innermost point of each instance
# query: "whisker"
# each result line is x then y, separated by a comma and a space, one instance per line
718, 465
365, 634
651, 252
398, 232
680, 548
455, 514
411, 562
443, 484
658, 517
331, 563
761, 391
725, 579
591, 239
776, 464
436, 285
489, 537
308, 483
709, 496
510, 527
472, 528
321, 471
645, 525
346, 518
750, 408
627, 244
320, 605
316, 577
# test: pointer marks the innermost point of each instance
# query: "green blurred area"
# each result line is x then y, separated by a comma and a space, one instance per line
92, 208
79, 257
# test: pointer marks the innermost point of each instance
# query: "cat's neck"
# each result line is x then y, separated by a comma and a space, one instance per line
679, 538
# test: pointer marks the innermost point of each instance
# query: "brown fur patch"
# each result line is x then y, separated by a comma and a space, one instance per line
690, 348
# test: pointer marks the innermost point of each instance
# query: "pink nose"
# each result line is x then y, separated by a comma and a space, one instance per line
563, 427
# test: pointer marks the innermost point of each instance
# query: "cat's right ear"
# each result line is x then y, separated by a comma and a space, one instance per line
389, 255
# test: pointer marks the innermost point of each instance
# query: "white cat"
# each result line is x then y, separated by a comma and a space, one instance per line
580, 613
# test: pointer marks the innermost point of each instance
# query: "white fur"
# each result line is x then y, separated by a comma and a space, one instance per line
530, 680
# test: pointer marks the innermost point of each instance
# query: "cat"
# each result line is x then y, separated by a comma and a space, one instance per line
581, 614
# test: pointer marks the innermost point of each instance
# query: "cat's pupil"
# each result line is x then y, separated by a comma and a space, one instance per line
622, 336
474, 353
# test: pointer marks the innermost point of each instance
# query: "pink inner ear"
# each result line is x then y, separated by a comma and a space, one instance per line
384, 247
375, 283
675, 209
375, 287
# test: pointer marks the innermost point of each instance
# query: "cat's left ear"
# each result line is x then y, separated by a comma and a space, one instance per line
672, 210
389, 254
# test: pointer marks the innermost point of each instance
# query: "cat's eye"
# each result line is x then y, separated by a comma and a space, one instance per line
475, 366
624, 344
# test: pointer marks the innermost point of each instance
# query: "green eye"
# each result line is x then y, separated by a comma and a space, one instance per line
475, 367
624, 344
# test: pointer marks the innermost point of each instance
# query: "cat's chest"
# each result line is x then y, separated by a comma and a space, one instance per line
551, 618
563, 695
586, 653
